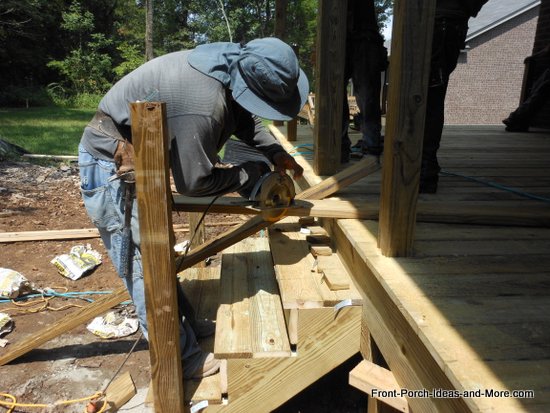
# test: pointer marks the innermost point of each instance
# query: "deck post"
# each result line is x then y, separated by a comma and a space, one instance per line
150, 139
329, 90
280, 30
408, 83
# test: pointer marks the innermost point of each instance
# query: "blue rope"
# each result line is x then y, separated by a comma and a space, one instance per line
51, 293
498, 186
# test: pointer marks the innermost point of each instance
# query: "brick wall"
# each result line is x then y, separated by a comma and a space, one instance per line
486, 85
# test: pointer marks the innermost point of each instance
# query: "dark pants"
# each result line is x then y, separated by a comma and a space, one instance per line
365, 59
448, 40
539, 94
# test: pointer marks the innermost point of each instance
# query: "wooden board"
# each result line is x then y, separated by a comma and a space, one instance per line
250, 321
369, 377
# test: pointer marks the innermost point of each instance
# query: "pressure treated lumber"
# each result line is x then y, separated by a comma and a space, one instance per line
301, 286
150, 139
326, 341
119, 392
64, 325
483, 213
333, 272
367, 376
407, 95
329, 92
250, 321
81, 233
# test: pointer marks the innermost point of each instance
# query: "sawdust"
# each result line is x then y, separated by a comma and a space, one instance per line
77, 364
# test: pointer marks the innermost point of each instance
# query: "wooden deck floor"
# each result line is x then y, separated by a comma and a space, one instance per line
471, 309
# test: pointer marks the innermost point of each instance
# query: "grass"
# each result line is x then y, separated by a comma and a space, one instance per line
45, 130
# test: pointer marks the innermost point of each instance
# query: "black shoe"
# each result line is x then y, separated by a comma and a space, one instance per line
515, 126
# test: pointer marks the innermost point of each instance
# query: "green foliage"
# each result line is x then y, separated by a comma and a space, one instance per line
86, 68
132, 56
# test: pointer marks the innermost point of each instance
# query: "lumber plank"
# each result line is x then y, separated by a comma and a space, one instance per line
317, 250
480, 212
119, 392
67, 323
150, 139
49, 235
329, 93
367, 376
407, 96
250, 322
301, 208
333, 272
83, 233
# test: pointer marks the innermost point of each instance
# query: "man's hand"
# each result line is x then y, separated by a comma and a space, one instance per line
283, 161
124, 157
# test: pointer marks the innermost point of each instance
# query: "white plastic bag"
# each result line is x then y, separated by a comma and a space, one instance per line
80, 260
113, 325
13, 284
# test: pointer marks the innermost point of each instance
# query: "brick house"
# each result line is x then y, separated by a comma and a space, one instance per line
488, 81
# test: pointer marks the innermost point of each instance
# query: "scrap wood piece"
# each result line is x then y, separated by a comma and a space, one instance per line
317, 250
66, 234
367, 376
119, 392
333, 272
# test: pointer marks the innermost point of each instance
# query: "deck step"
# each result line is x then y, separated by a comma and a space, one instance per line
250, 321
202, 287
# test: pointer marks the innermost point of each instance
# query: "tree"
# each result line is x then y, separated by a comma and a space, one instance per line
87, 67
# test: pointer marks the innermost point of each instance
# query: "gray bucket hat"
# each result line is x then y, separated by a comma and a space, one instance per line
264, 75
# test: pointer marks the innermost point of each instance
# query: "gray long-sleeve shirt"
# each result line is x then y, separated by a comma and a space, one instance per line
201, 116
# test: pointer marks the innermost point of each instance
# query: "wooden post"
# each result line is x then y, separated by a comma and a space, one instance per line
150, 139
410, 67
292, 125
280, 31
329, 90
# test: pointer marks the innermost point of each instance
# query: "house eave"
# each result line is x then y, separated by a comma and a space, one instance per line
503, 20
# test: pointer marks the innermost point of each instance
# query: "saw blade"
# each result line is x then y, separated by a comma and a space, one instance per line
276, 195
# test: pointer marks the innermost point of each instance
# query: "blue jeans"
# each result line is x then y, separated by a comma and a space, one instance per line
104, 202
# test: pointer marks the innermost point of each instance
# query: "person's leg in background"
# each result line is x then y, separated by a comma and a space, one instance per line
448, 41
368, 62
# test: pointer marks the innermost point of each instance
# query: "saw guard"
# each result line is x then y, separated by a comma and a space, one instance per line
276, 195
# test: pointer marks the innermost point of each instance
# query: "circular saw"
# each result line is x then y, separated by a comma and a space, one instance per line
273, 194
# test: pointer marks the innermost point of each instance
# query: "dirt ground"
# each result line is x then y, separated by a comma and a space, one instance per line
78, 363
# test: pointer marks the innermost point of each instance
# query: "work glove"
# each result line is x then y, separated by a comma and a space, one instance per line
124, 158
283, 162
254, 170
